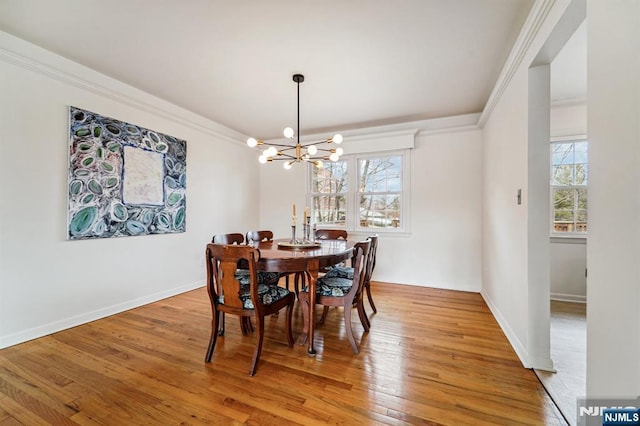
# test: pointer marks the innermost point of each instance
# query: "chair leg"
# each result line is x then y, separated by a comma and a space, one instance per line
363, 315
373, 306
245, 325
299, 279
214, 335
258, 351
289, 320
304, 303
286, 281
325, 311
221, 331
347, 326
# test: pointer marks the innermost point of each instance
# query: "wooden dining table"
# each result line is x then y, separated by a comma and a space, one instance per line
279, 256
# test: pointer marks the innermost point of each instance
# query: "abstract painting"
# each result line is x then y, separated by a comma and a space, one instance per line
124, 180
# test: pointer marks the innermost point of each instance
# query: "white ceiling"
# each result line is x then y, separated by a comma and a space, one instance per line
365, 62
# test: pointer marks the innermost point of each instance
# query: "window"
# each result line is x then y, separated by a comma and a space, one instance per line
569, 176
380, 187
361, 192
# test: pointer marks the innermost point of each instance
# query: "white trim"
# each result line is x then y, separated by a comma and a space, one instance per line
66, 323
41, 61
517, 346
568, 238
453, 124
563, 297
532, 25
568, 138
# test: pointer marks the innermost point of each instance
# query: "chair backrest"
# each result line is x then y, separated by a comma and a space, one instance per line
331, 234
257, 236
359, 264
222, 264
371, 261
236, 238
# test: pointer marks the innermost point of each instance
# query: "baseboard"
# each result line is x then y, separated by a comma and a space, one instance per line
568, 297
517, 346
65, 323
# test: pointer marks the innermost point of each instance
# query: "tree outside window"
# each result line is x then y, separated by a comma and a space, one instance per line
569, 178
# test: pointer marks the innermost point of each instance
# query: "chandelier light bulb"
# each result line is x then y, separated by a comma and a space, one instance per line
319, 164
312, 149
337, 138
339, 151
287, 165
272, 151
262, 159
334, 157
252, 142
288, 132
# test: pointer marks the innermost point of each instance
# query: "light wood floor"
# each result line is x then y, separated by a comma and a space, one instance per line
569, 355
432, 357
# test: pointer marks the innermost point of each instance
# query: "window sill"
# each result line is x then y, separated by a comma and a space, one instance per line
385, 232
568, 239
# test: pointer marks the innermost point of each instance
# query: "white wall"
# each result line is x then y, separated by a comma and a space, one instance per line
507, 288
613, 252
443, 247
504, 250
48, 283
568, 269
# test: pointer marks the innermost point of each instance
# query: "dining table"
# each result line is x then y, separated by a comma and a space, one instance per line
285, 256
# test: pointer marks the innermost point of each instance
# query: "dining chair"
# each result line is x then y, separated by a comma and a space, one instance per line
347, 272
266, 235
231, 295
331, 234
242, 273
338, 291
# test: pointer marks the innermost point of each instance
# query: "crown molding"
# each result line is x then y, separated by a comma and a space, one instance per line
23, 54
530, 30
453, 124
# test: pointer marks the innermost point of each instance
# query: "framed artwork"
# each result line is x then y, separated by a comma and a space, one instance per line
124, 180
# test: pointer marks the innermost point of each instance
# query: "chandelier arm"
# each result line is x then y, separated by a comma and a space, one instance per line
281, 145
314, 143
288, 158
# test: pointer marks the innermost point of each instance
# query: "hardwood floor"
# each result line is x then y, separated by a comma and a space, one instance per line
569, 355
432, 357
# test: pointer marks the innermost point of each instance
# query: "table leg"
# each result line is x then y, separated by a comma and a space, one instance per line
312, 268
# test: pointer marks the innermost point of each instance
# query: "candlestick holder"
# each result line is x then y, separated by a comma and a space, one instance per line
307, 229
293, 234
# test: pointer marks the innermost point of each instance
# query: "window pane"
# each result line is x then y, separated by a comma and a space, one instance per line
380, 211
562, 153
331, 178
582, 199
580, 150
380, 174
329, 209
562, 175
563, 199
581, 174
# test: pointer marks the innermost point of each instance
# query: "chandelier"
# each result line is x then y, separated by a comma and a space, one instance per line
309, 151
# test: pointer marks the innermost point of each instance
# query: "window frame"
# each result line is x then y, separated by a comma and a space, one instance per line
352, 196
572, 234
